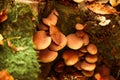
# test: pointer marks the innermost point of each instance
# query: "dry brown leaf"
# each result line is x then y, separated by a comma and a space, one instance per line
99, 8
4, 75
3, 16
55, 34
114, 2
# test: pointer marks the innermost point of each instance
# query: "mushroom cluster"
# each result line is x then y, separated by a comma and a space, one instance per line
81, 54
48, 39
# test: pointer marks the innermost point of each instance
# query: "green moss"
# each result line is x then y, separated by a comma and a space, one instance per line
19, 28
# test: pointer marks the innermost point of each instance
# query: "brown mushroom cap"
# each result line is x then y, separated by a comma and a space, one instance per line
79, 26
85, 39
88, 66
92, 49
80, 54
56, 47
51, 19
87, 73
74, 42
91, 58
56, 35
70, 57
77, 65
83, 49
47, 56
41, 40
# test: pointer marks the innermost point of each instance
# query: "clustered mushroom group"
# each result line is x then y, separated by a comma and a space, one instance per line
80, 53
49, 40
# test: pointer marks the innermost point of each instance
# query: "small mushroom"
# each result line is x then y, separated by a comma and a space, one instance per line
98, 76
59, 40
92, 49
87, 73
46, 55
77, 65
60, 46
85, 39
91, 58
70, 57
56, 35
74, 42
41, 40
80, 54
51, 19
79, 26
83, 49
88, 66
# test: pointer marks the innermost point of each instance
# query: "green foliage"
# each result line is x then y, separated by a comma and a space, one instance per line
19, 29
23, 64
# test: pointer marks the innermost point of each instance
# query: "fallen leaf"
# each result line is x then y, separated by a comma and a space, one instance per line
3, 16
4, 75
55, 34
99, 8
114, 2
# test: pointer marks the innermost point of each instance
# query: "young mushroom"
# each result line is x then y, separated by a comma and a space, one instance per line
70, 57
91, 58
88, 73
56, 47
74, 42
83, 49
77, 65
59, 40
80, 54
51, 19
88, 66
46, 55
41, 40
92, 49
79, 26
85, 39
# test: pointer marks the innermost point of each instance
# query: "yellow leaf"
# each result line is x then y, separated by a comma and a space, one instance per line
114, 2
99, 8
